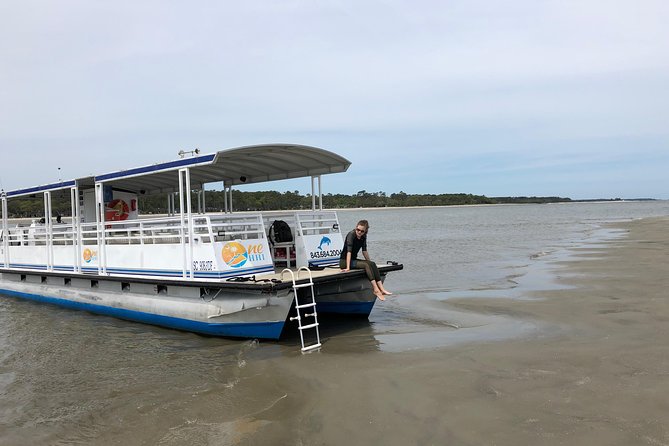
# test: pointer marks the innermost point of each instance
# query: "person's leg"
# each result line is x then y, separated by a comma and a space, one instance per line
342, 263
377, 277
373, 275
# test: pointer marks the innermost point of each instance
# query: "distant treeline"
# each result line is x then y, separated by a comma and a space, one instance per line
272, 200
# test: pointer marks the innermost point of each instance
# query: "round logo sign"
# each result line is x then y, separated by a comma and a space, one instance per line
234, 254
88, 255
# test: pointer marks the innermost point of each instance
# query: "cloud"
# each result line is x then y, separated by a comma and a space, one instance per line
417, 84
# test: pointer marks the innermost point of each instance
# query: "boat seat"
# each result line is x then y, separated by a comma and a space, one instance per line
284, 253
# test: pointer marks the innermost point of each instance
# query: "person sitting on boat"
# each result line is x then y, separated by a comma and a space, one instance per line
354, 242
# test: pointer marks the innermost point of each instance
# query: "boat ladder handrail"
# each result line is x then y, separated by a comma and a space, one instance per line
299, 308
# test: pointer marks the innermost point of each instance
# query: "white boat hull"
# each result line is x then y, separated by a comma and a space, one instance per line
222, 312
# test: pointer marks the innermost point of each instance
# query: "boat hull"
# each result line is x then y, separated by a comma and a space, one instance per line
238, 309
345, 294
231, 313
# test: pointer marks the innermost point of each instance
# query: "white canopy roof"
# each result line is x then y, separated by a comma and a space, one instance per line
241, 165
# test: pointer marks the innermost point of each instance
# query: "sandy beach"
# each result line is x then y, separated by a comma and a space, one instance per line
597, 373
601, 378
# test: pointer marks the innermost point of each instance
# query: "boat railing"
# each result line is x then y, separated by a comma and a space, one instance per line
225, 227
206, 229
170, 230
307, 222
37, 234
316, 223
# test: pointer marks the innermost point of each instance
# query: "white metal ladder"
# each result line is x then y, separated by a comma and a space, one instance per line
304, 307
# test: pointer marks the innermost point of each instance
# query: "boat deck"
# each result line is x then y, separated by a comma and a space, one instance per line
269, 281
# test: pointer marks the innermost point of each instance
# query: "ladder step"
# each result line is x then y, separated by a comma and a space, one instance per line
311, 347
304, 327
303, 285
298, 317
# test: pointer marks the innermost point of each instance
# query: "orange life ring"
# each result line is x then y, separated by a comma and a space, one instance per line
117, 210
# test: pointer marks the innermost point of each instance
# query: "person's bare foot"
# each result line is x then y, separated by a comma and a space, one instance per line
380, 295
387, 293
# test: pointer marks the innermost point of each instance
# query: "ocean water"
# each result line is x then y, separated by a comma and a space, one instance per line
455, 249
72, 378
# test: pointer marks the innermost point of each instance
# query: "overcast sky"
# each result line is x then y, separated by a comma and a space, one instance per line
516, 97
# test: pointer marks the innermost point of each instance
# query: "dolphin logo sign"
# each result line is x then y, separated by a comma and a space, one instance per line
324, 241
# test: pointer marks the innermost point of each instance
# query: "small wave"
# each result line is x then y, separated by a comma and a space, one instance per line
539, 255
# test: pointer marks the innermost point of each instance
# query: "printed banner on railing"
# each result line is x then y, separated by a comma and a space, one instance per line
323, 248
241, 255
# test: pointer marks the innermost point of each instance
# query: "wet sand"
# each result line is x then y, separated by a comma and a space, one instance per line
595, 372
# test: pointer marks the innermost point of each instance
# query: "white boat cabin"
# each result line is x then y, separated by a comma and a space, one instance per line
106, 233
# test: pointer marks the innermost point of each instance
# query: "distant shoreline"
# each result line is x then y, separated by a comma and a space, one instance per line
149, 209
482, 205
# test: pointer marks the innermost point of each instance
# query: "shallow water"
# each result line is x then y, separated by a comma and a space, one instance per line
70, 377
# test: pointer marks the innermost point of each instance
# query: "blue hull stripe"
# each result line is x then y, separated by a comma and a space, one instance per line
362, 308
263, 330
325, 262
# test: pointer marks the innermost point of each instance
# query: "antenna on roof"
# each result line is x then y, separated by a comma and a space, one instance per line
59, 177
182, 153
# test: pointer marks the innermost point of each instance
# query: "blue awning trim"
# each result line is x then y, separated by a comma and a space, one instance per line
44, 188
156, 168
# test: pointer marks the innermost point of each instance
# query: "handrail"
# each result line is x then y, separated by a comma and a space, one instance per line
142, 230
206, 228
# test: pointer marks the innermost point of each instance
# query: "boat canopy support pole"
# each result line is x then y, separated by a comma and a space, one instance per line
201, 204
227, 198
5, 230
185, 206
190, 223
76, 229
182, 223
48, 231
100, 233
313, 193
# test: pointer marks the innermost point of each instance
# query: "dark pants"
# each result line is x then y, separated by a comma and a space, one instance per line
370, 267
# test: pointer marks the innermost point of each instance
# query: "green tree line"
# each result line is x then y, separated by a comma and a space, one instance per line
272, 200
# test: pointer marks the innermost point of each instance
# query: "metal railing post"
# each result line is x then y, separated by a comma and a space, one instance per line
48, 234
74, 202
5, 231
